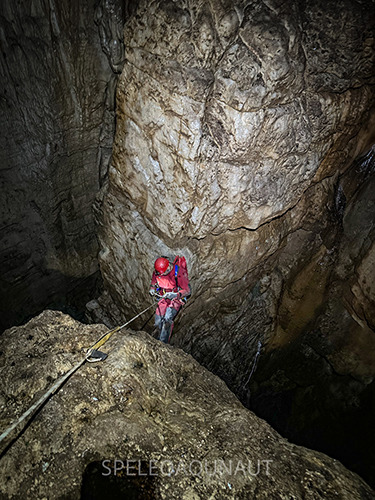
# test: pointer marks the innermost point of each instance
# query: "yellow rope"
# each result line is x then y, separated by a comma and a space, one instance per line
61, 380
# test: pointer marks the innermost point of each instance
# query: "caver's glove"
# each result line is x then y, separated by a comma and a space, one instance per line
170, 295
152, 292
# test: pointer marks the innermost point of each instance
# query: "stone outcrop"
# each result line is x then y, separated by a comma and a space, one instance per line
59, 65
230, 119
149, 403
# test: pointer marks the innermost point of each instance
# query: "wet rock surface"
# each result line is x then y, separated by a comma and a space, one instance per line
147, 401
315, 378
58, 73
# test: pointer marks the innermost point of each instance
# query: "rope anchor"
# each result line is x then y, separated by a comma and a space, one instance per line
92, 355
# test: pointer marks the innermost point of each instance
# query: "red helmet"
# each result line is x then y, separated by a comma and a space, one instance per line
161, 265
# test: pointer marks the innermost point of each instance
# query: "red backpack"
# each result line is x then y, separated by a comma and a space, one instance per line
181, 273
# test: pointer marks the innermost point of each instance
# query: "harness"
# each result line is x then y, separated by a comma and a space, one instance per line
161, 291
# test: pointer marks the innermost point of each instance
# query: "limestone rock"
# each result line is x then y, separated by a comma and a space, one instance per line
237, 126
57, 123
227, 114
146, 402
318, 368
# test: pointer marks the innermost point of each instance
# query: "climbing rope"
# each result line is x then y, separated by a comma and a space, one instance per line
102, 340
254, 363
36, 405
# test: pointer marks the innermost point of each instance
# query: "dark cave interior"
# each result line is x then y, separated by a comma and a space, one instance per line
299, 282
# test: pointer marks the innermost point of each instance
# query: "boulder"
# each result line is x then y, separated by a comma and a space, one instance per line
148, 421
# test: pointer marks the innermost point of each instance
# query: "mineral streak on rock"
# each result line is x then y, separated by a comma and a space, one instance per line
149, 403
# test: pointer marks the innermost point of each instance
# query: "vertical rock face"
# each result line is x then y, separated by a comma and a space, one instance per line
227, 114
315, 382
57, 123
237, 123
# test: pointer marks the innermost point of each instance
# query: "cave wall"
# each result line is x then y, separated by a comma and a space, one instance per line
237, 127
316, 378
234, 120
243, 140
59, 65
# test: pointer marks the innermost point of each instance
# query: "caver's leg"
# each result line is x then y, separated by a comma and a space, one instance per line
167, 324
